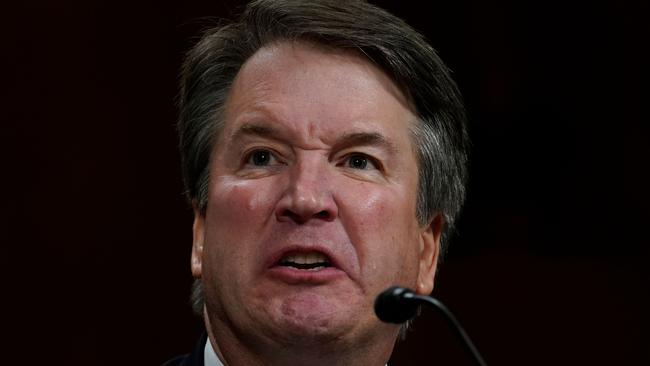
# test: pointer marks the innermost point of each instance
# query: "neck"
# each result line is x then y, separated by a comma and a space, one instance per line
256, 349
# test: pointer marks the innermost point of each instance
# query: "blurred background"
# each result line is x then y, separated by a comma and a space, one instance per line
550, 262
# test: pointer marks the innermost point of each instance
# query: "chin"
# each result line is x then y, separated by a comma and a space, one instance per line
304, 318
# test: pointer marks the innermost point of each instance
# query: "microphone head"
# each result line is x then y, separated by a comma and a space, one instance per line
396, 305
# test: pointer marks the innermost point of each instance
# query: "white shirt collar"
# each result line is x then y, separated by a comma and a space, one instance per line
210, 356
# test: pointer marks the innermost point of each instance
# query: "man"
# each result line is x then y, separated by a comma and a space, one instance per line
323, 147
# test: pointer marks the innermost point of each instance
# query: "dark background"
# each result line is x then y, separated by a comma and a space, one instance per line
550, 265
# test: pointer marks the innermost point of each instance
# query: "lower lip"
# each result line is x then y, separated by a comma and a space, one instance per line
294, 276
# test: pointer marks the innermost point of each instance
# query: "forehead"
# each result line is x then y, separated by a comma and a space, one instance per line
316, 91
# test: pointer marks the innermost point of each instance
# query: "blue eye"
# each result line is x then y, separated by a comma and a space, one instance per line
358, 162
260, 158
362, 162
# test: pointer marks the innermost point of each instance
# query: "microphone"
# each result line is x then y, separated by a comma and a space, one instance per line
398, 304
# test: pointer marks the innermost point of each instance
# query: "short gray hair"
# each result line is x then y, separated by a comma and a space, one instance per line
440, 136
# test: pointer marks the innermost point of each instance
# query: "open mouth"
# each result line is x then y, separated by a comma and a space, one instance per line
310, 261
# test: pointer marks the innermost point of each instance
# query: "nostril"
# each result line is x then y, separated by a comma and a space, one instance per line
301, 219
292, 215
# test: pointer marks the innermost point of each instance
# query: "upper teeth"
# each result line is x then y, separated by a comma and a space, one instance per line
305, 258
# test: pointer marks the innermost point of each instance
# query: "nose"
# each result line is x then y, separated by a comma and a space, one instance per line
308, 195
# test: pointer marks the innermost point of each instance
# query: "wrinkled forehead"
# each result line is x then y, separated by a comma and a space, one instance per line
267, 57
289, 77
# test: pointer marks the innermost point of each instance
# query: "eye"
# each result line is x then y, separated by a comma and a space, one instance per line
261, 157
360, 161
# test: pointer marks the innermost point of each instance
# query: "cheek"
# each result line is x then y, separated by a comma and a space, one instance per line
380, 210
240, 203
236, 214
382, 225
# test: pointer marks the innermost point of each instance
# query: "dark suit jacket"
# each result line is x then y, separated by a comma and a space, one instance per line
192, 359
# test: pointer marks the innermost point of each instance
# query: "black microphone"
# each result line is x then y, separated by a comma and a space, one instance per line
396, 305
399, 304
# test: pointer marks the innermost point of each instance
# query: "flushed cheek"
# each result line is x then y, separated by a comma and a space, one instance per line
236, 217
375, 210
244, 202
382, 224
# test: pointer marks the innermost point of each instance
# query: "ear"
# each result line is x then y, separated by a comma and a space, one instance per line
198, 235
429, 253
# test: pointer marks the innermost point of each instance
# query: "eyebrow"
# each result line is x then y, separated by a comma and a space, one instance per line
342, 142
364, 139
252, 129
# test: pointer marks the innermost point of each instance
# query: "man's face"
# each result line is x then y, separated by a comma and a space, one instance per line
312, 200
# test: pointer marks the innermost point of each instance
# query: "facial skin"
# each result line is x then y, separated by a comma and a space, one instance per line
315, 157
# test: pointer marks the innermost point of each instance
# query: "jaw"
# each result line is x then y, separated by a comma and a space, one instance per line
302, 325
301, 345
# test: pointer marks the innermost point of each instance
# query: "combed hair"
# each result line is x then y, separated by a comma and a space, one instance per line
439, 136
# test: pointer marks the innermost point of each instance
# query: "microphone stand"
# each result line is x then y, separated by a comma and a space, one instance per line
453, 322
397, 304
